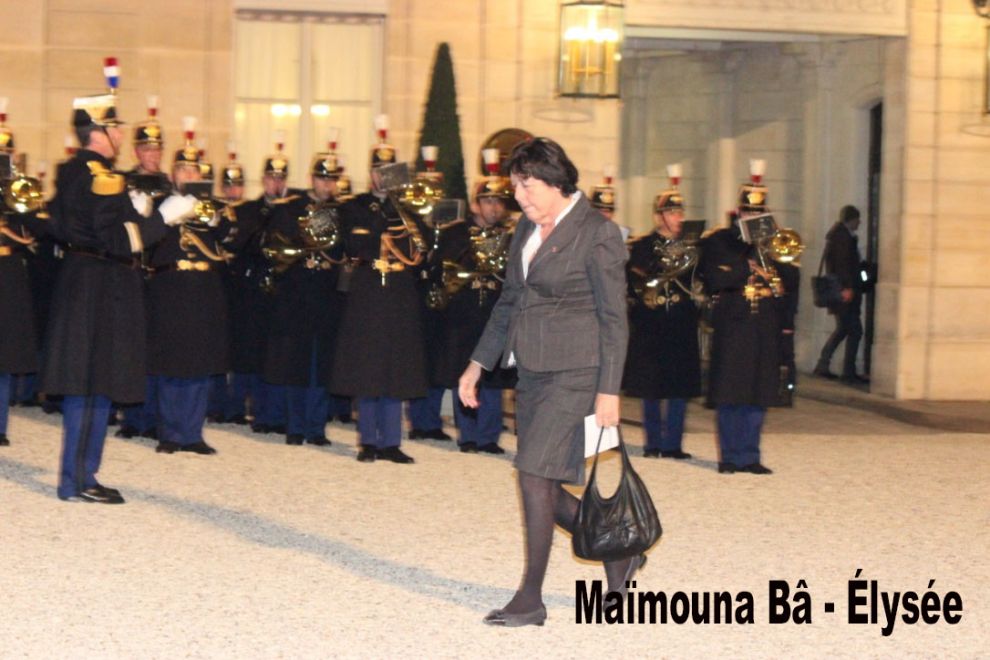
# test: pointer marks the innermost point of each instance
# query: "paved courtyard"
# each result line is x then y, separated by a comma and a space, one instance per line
272, 551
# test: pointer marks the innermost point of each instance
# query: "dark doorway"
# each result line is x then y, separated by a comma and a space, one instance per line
872, 229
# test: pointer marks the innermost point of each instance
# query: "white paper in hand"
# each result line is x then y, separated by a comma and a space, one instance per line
610, 438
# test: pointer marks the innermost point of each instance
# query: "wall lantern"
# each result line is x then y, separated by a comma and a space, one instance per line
591, 48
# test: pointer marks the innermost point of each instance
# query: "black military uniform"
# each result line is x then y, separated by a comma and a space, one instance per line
380, 357
187, 320
95, 350
306, 306
745, 363
480, 253
663, 362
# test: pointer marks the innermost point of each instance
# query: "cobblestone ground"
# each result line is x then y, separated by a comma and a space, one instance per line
270, 551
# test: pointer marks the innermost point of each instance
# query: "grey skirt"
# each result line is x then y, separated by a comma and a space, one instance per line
550, 411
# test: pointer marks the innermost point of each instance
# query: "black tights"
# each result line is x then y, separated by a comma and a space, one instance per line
545, 502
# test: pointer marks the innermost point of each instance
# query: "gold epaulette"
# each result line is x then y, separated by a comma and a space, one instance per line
285, 200
105, 182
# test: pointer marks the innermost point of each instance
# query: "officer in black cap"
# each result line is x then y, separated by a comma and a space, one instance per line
95, 351
303, 243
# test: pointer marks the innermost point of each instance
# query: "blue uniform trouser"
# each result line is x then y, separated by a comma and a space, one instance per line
23, 388
739, 429
219, 396
242, 387
269, 404
664, 429
307, 406
182, 409
482, 425
424, 413
5, 380
144, 416
84, 430
380, 421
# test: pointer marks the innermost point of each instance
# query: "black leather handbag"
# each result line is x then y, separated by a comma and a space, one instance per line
618, 527
827, 288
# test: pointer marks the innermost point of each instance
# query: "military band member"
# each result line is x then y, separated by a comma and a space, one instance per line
187, 320
251, 304
222, 408
18, 226
745, 374
380, 358
95, 349
303, 241
663, 367
424, 413
603, 198
147, 177
477, 249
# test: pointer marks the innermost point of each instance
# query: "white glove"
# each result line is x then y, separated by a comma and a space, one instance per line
177, 208
141, 201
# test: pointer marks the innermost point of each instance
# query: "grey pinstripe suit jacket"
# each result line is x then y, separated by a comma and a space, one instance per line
570, 312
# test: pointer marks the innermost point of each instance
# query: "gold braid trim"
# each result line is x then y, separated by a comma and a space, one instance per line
6, 231
389, 248
189, 236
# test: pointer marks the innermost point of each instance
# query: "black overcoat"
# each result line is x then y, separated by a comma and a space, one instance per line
462, 322
95, 344
187, 309
380, 348
18, 336
745, 360
306, 306
663, 360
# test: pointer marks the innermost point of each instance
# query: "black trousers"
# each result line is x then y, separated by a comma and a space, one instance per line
848, 328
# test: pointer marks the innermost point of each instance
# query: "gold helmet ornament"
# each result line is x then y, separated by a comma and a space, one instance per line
493, 185
233, 172
382, 153
150, 130
670, 199
277, 165
603, 195
326, 164
753, 193
6, 135
189, 153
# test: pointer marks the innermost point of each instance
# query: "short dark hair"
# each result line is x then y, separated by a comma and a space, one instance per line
848, 213
83, 134
544, 159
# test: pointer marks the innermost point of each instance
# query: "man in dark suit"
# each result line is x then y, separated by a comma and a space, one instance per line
842, 259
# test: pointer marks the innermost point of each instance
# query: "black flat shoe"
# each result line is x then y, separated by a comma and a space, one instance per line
507, 620
126, 432
368, 454
651, 453
319, 442
676, 453
294, 439
151, 434
395, 455
166, 447
491, 448
199, 448
4, 441
726, 468
755, 468
468, 448
95, 495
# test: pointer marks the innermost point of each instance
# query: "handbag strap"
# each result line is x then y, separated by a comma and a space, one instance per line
821, 262
598, 446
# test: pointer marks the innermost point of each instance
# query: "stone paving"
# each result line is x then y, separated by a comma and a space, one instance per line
271, 551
